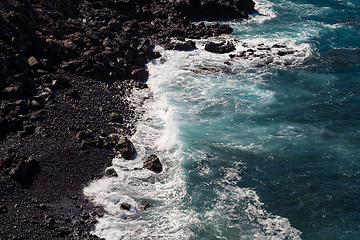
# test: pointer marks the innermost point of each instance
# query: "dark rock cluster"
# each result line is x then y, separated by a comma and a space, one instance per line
262, 55
66, 67
104, 40
223, 47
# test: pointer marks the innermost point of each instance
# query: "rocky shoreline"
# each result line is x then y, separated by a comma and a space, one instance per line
66, 70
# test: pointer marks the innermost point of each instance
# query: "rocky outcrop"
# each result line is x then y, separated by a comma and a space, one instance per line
180, 45
104, 40
115, 46
223, 47
110, 172
125, 206
153, 163
126, 148
262, 55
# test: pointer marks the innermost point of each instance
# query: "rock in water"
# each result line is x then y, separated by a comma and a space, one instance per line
153, 163
143, 205
125, 206
223, 47
125, 147
110, 172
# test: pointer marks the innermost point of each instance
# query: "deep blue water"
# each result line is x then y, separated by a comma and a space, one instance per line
251, 151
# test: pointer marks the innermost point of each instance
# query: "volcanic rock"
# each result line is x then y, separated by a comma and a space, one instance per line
126, 148
223, 47
153, 163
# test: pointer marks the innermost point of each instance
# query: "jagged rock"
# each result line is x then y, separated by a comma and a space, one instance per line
223, 47
12, 92
85, 216
37, 116
125, 147
125, 206
50, 223
22, 169
131, 26
110, 172
107, 42
35, 104
181, 46
33, 62
70, 47
285, 52
276, 45
60, 83
153, 163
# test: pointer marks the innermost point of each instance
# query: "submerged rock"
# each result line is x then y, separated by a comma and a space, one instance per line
153, 163
143, 205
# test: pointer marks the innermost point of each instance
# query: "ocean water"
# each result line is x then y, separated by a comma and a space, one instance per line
265, 146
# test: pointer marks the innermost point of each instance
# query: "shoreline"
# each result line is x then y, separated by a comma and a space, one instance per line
65, 69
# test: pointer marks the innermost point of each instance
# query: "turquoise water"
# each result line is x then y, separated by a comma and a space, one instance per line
250, 151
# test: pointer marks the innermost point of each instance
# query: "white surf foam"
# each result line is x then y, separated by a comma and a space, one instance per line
156, 134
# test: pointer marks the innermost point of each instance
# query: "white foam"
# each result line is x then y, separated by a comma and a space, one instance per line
156, 134
265, 10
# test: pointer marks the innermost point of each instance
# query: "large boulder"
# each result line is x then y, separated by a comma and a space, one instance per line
223, 47
125, 147
181, 45
153, 163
